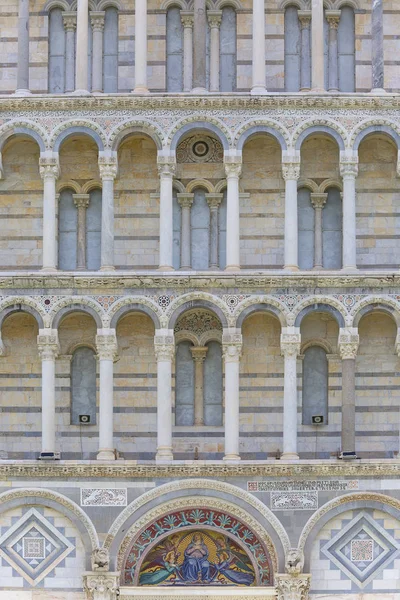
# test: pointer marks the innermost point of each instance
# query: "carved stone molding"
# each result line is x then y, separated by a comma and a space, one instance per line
101, 586
292, 587
106, 344
348, 342
48, 345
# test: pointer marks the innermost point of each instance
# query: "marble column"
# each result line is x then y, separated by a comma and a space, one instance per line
49, 171
214, 20
166, 169
82, 43
187, 21
108, 167
48, 348
141, 47
106, 344
318, 202
333, 18
97, 21
349, 171
199, 354
233, 169
317, 45
199, 46
258, 79
291, 173
164, 347
305, 53
378, 82
69, 19
81, 202
348, 347
23, 49
232, 351
214, 201
185, 201
290, 348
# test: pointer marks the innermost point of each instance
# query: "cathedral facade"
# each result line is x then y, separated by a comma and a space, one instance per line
199, 299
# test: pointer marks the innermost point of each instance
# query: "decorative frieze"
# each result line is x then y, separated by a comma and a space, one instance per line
294, 500
104, 497
320, 485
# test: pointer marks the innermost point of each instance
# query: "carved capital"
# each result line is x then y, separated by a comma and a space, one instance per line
348, 342
49, 167
348, 168
97, 20
214, 200
48, 345
292, 587
333, 18
187, 19
214, 18
108, 167
166, 165
81, 200
233, 169
101, 586
106, 344
69, 19
304, 17
185, 200
164, 344
199, 353
291, 170
232, 342
318, 200
290, 341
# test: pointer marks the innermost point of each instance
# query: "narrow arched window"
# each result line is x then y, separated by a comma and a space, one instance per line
93, 231
292, 50
56, 76
332, 230
184, 384
306, 220
346, 50
315, 384
174, 50
67, 231
110, 59
200, 225
213, 385
83, 385
227, 43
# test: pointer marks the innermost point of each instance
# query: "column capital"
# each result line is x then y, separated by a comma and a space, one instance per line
348, 342
101, 586
166, 164
333, 18
348, 164
69, 20
304, 17
185, 200
318, 200
48, 345
291, 170
81, 200
214, 18
49, 166
187, 18
199, 353
214, 200
232, 342
292, 587
97, 20
290, 341
106, 344
164, 344
108, 167
233, 166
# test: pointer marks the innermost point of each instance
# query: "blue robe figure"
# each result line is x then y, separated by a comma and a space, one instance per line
196, 567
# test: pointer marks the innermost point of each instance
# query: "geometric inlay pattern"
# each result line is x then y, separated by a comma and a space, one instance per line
34, 547
362, 549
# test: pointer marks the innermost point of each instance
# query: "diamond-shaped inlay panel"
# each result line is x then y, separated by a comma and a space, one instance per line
34, 547
361, 549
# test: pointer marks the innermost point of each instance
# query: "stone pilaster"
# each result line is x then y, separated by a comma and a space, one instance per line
348, 346
199, 46
106, 344
82, 44
232, 351
378, 82
23, 49
48, 348
164, 348
317, 46
290, 349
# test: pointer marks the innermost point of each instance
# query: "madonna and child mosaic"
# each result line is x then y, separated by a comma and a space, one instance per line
197, 548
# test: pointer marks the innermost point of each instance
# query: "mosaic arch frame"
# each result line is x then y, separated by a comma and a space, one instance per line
209, 522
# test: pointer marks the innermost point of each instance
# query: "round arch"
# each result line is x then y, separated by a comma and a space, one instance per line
103, 4
131, 307
318, 307
66, 185
258, 130
196, 303
322, 129
62, 313
63, 4
377, 307
257, 308
74, 130
23, 129
371, 129
124, 130
202, 183
20, 307
181, 131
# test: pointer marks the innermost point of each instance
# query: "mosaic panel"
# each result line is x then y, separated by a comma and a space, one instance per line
104, 497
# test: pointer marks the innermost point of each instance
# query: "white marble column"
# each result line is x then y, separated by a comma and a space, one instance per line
333, 18
108, 167
97, 21
164, 347
291, 173
199, 47
233, 169
106, 344
349, 171
378, 69
258, 79
69, 19
317, 46
185, 201
232, 351
305, 53
318, 202
214, 20
49, 171
82, 43
348, 346
48, 348
81, 202
141, 47
166, 169
199, 354
214, 202
187, 21
290, 348
23, 49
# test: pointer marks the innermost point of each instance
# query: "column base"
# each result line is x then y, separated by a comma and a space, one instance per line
378, 91
290, 456
165, 268
49, 269
140, 90
232, 268
258, 90
291, 268
317, 268
164, 454
333, 90
22, 92
318, 90
305, 89
349, 269
81, 93
199, 90
105, 455
106, 268
232, 457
